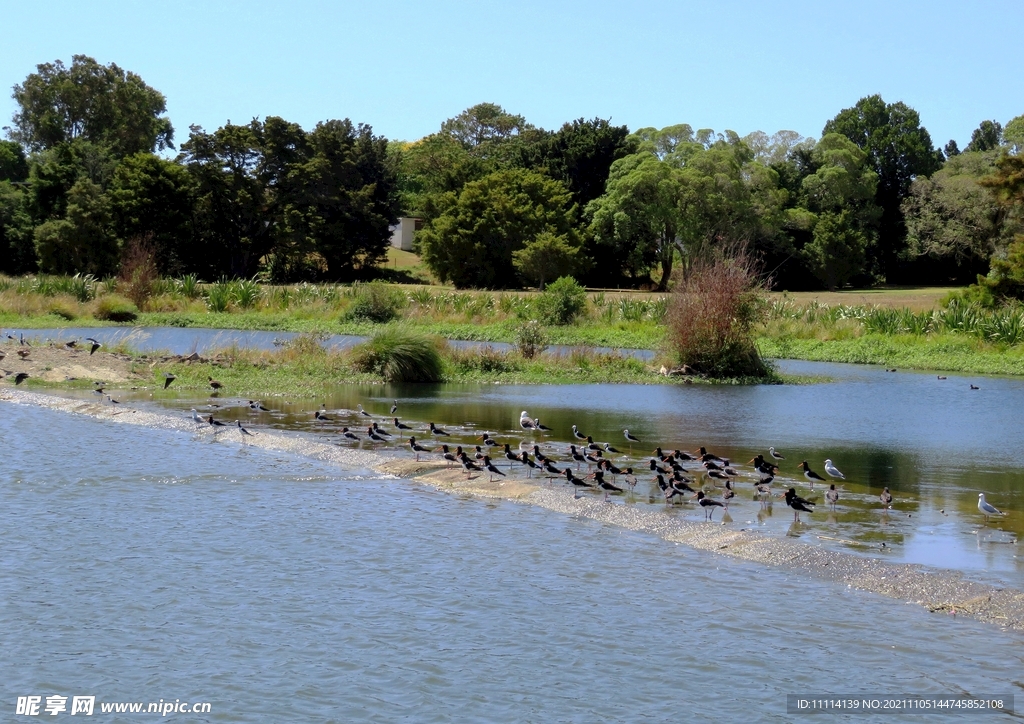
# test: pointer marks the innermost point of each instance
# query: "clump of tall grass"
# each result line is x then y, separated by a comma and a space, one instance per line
484, 359
399, 355
711, 318
115, 308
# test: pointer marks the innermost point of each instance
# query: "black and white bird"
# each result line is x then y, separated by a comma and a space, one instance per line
448, 455
798, 504
215, 384
93, 345
526, 422
578, 482
242, 429
257, 406
345, 432
577, 434
437, 432
112, 401
605, 485
577, 456
319, 416
986, 508
363, 412
215, 423
491, 468
394, 407
542, 428
629, 436
886, 498
530, 464
20, 377
708, 505
169, 377
833, 471
610, 449
777, 456
400, 425
669, 491
810, 474
371, 433
380, 430
832, 496
416, 447
511, 456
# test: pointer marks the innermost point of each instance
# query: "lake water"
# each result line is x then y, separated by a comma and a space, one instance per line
143, 564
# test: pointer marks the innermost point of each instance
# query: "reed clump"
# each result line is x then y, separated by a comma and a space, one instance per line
399, 355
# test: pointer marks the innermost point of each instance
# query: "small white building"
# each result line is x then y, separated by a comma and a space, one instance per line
401, 233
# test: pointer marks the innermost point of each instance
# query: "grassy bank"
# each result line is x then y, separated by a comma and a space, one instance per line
909, 328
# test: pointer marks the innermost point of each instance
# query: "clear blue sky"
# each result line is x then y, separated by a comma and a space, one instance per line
404, 67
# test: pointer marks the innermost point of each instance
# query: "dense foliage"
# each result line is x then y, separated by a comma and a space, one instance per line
87, 174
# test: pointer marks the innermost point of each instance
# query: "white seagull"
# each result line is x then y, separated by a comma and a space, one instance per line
833, 470
987, 508
525, 422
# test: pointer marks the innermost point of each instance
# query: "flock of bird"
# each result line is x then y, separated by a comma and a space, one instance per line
668, 471
679, 475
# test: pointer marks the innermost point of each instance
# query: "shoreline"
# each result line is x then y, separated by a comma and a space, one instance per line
938, 590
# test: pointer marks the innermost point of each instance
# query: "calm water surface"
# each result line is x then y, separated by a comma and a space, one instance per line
143, 564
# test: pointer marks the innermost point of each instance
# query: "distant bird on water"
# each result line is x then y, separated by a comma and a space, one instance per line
394, 407
542, 428
242, 429
93, 345
437, 432
363, 412
886, 498
168, 379
987, 508
399, 425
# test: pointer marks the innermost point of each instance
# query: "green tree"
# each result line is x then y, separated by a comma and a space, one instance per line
635, 223
1013, 135
151, 198
953, 222
471, 242
546, 257
899, 149
1006, 277
105, 105
83, 240
986, 137
13, 165
836, 251
840, 194
17, 248
484, 126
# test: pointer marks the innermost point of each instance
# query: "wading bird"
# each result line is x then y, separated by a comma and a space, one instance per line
832, 496
168, 379
242, 429
215, 384
798, 504
708, 505
437, 432
777, 456
886, 498
526, 422
416, 447
349, 434
93, 345
810, 474
987, 508
833, 471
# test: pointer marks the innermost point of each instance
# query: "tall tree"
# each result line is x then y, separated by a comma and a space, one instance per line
151, 198
483, 125
954, 224
17, 248
899, 149
1013, 135
986, 137
103, 104
13, 165
83, 240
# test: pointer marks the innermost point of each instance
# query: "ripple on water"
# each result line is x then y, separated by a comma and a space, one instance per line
140, 565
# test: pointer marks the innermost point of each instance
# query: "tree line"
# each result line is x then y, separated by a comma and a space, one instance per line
87, 172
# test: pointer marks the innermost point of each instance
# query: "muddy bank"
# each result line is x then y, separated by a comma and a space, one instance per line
940, 591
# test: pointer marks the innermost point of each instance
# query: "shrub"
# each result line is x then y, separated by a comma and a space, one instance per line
562, 302
188, 286
138, 273
246, 293
376, 302
712, 314
115, 308
398, 355
530, 339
